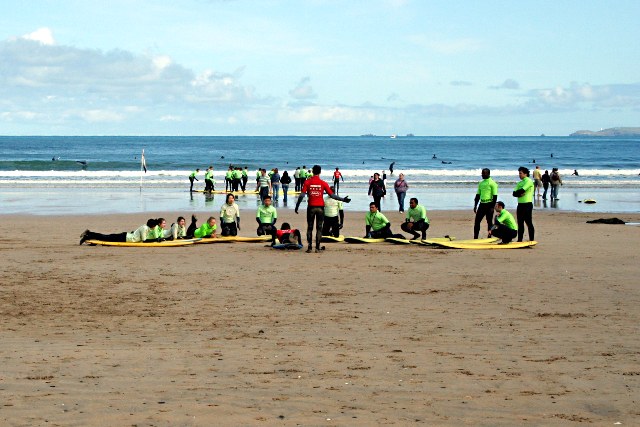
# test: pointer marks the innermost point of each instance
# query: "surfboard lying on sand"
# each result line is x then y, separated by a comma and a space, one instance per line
397, 241
331, 239
235, 193
478, 246
435, 240
488, 240
166, 243
589, 201
362, 240
293, 246
231, 239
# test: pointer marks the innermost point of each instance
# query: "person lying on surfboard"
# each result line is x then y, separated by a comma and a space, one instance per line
207, 230
286, 234
141, 234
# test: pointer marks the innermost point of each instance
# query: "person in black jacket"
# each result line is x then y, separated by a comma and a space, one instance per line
377, 189
285, 180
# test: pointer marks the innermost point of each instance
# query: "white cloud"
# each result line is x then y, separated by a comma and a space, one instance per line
585, 94
303, 90
41, 35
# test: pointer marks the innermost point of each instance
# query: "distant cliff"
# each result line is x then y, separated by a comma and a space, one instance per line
609, 132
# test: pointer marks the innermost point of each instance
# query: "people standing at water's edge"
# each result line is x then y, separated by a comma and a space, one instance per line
337, 176
377, 189
264, 185
487, 195
303, 176
416, 220
192, 178
296, 177
333, 217
228, 177
141, 234
524, 211
275, 184
537, 179
401, 187
505, 227
315, 188
230, 216
285, 181
266, 217
556, 182
546, 180
245, 178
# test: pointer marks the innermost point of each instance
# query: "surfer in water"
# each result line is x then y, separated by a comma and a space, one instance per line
391, 168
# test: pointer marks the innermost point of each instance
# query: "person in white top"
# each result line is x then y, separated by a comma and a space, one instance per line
333, 216
230, 217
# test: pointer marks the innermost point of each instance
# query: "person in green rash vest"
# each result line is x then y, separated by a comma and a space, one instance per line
245, 178
192, 178
377, 225
416, 220
505, 227
524, 192
208, 180
157, 232
141, 234
487, 195
208, 229
228, 179
230, 217
236, 178
266, 217
303, 176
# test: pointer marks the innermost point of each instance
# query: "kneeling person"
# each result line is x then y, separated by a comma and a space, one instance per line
266, 217
230, 217
377, 225
416, 220
505, 227
333, 216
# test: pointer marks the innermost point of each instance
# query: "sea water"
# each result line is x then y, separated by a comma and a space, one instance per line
102, 174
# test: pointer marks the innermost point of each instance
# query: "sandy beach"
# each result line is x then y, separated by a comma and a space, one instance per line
240, 334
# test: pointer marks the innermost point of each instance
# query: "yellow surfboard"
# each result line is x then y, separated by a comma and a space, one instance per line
481, 246
331, 239
362, 240
168, 243
232, 239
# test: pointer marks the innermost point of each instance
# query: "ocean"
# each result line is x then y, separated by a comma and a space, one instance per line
102, 174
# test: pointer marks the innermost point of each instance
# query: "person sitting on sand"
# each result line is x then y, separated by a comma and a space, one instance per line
141, 234
207, 230
230, 216
287, 235
266, 217
377, 225
505, 227
416, 220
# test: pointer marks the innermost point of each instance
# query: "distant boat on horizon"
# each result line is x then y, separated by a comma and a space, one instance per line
393, 136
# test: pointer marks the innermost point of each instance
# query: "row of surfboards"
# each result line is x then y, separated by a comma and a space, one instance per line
444, 242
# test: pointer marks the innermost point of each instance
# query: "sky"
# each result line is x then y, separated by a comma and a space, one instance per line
318, 67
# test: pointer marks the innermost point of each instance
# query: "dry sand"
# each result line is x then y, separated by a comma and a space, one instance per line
239, 334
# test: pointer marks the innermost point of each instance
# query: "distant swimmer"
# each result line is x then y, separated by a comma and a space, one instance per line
222, 157
82, 162
434, 157
575, 172
551, 155
446, 163
391, 168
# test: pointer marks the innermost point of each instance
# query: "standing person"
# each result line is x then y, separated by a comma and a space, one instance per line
315, 188
228, 178
141, 234
230, 216
333, 216
377, 226
505, 227
275, 184
487, 195
264, 185
245, 178
391, 168
236, 178
285, 181
377, 189
537, 179
401, 187
556, 182
266, 217
208, 180
384, 176
192, 178
416, 220
303, 176
296, 176
336, 180
546, 179
524, 211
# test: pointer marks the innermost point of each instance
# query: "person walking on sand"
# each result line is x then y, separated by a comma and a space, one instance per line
377, 189
401, 187
264, 184
546, 179
537, 179
315, 188
487, 195
192, 178
524, 211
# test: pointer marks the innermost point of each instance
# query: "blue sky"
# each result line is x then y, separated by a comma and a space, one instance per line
318, 67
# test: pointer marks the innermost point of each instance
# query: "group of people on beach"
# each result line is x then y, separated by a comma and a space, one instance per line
544, 180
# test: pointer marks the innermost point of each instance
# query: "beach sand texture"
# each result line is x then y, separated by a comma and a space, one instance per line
382, 334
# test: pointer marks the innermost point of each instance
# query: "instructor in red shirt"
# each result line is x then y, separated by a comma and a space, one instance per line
315, 188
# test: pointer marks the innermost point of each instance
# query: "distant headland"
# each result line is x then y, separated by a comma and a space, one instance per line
609, 132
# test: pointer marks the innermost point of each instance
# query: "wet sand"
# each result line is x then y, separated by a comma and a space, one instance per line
240, 334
